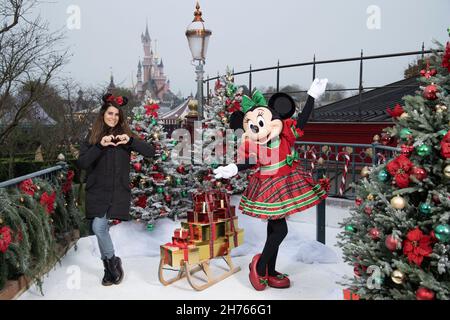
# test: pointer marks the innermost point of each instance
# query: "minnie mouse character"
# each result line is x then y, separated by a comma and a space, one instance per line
279, 187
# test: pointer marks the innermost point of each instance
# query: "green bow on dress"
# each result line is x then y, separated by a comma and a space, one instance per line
290, 158
256, 100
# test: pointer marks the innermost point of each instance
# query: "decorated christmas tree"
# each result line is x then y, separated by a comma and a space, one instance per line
397, 238
160, 186
217, 135
150, 187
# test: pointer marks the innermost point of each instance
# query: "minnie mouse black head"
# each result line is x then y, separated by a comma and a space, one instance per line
110, 100
261, 121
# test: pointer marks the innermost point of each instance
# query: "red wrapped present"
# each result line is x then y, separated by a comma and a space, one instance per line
349, 295
180, 233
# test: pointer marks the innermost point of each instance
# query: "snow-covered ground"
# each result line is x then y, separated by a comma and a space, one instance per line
312, 267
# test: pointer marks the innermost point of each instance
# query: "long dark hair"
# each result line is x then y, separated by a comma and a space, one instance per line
101, 129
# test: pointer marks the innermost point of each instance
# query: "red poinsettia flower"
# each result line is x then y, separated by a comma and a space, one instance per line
416, 246
28, 187
5, 238
396, 112
111, 98
236, 106
400, 168
446, 57
48, 201
119, 100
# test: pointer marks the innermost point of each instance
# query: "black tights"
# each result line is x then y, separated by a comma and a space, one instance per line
276, 232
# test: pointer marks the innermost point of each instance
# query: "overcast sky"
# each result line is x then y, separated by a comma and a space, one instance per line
244, 32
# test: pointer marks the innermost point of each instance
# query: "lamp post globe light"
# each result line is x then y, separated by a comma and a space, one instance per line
198, 37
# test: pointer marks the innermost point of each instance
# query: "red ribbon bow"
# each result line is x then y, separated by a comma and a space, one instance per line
48, 201
118, 99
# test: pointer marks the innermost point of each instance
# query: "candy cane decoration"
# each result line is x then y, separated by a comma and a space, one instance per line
381, 158
313, 155
344, 175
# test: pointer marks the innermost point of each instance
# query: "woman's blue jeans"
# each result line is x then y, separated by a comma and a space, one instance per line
101, 230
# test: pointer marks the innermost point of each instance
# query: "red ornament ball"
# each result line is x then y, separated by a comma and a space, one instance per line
154, 167
368, 210
181, 169
358, 201
391, 242
374, 233
137, 166
424, 294
430, 92
167, 198
419, 173
436, 199
385, 138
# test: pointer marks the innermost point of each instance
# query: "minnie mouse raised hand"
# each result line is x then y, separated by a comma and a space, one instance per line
279, 187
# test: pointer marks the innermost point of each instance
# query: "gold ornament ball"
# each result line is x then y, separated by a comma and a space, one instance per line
441, 108
447, 171
39, 188
398, 202
156, 135
21, 199
169, 179
218, 184
321, 161
365, 172
370, 197
376, 138
224, 120
404, 115
398, 277
1, 220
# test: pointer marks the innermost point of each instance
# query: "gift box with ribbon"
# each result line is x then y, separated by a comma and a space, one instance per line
181, 233
349, 295
174, 254
236, 238
203, 231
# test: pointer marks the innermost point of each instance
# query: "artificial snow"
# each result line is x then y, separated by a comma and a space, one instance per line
313, 268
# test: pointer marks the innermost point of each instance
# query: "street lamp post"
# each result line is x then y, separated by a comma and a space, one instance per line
198, 37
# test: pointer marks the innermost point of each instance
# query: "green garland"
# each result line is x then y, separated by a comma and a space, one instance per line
35, 228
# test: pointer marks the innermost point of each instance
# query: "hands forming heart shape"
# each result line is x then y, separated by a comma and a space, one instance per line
112, 140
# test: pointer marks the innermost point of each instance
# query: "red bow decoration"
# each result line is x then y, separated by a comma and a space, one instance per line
67, 186
118, 99
325, 184
142, 201
150, 110
48, 201
400, 168
28, 187
446, 57
396, 112
445, 146
5, 238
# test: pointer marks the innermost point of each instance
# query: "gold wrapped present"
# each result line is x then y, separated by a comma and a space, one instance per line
201, 231
174, 254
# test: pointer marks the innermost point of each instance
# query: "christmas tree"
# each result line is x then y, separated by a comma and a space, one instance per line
160, 186
397, 237
150, 188
219, 142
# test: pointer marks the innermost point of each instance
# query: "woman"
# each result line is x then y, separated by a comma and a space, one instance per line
106, 157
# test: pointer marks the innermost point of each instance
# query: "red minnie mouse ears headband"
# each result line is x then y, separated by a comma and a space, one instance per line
118, 101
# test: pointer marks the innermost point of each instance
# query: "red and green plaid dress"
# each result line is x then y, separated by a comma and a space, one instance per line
280, 187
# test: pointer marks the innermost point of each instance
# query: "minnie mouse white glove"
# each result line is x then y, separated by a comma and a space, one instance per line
226, 172
317, 88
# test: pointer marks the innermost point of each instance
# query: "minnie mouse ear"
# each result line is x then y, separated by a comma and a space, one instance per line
125, 101
237, 120
283, 104
105, 97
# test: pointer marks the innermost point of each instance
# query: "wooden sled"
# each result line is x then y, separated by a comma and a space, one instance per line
187, 270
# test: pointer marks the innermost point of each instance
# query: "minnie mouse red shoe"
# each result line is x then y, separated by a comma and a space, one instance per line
279, 281
258, 282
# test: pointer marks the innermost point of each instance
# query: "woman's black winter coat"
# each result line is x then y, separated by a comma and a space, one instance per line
108, 177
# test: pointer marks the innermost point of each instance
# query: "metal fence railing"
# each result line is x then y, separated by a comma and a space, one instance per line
46, 174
